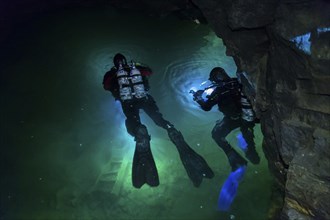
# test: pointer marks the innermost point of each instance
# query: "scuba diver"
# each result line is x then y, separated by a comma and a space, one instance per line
128, 83
237, 111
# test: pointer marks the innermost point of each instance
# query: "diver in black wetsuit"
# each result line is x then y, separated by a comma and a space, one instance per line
237, 111
129, 85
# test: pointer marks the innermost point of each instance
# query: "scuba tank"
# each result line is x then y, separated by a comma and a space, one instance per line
247, 110
125, 91
137, 81
130, 84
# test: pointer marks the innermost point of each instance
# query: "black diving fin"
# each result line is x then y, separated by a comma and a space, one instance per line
194, 164
144, 168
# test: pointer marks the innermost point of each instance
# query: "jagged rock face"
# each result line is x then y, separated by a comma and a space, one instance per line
290, 81
297, 82
292, 92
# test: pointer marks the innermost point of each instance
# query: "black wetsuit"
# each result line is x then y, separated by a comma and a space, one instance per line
227, 95
144, 169
132, 107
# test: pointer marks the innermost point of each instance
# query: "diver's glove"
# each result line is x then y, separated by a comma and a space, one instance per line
197, 95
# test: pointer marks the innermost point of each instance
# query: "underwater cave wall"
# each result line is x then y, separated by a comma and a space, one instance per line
284, 49
298, 76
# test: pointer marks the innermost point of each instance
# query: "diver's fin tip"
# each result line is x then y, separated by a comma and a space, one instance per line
154, 184
197, 185
209, 176
137, 186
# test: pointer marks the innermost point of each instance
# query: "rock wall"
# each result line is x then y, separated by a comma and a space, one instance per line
283, 47
283, 50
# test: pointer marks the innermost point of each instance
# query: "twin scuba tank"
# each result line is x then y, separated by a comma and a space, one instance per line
131, 84
247, 110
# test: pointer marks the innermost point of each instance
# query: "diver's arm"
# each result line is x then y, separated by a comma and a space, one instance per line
207, 104
144, 69
145, 73
146, 83
110, 83
107, 80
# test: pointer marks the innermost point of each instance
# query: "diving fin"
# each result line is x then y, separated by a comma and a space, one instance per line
144, 168
229, 188
194, 164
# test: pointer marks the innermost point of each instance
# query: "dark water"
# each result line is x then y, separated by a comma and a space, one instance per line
65, 153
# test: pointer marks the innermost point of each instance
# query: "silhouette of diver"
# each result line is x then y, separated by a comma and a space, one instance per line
237, 110
128, 83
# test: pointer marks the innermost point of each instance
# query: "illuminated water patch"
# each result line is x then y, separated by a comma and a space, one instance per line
192, 73
322, 30
303, 42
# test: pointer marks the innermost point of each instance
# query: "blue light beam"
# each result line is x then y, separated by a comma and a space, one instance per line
241, 142
229, 189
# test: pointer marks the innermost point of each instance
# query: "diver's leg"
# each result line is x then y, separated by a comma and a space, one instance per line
151, 109
195, 165
132, 118
219, 133
144, 169
248, 135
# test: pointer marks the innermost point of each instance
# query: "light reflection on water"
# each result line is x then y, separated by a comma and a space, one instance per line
184, 75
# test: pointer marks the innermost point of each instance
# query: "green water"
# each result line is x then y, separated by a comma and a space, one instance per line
65, 150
